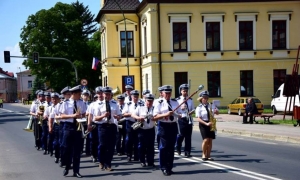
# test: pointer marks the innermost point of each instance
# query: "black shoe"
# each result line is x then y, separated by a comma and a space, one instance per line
245, 123
45, 152
143, 164
119, 154
101, 166
77, 175
128, 159
166, 173
66, 172
187, 155
178, 152
204, 159
56, 160
151, 165
172, 172
38, 148
51, 154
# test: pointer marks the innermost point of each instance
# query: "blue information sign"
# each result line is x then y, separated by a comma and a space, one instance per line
129, 80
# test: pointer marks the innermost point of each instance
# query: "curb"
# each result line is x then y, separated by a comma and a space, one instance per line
294, 140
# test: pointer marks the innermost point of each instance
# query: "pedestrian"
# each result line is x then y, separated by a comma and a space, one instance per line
185, 123
146, 133
131, 135
203, 114
46, 105
107, 115
85, 97
250, 110
127, 94
72, 145
120, 144
167, 129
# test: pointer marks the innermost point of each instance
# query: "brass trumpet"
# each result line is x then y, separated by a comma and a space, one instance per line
42, 110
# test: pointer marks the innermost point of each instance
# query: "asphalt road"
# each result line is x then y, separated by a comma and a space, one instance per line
236, 158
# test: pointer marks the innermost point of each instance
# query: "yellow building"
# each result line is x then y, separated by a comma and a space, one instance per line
236, 48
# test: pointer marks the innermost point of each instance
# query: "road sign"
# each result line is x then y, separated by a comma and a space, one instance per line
129, 80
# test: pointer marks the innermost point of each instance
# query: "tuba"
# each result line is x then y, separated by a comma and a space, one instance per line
212, 119
116, 91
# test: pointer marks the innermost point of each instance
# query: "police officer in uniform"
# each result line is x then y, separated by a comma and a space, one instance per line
167, 129
127, 94
94, 140
144, 93
71, 110
185, 123
107, 115
35, 112
203, 116
155, 103
85, 97
131, 135
146, 134
46, 104
120, 144
53, 136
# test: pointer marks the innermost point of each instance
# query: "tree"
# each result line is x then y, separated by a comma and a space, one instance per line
61, 31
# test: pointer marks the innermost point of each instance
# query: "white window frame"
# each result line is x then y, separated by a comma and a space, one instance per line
130, 26
103, 44
144, 45
177, 18
246, 17
213, 18
280, 16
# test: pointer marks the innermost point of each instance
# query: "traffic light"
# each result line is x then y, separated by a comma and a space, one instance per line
7, 56
35, 58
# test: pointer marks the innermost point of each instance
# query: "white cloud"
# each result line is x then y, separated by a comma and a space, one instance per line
15, 63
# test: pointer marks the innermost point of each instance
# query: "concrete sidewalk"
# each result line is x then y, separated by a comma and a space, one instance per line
232, 124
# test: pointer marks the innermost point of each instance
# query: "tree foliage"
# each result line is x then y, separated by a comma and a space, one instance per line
62, 31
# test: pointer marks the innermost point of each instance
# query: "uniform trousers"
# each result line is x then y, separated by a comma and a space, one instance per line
45, 134
107, 134
51, 139
167, 133
61, 135
87, 142
94, 141
146, 139
120, 144
131, 141
185, 134
37, 132
56, 144
71, 143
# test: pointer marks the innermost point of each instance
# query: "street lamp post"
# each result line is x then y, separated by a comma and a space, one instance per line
21, 84
126, 49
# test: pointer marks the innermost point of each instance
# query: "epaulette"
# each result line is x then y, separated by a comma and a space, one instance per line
161, 101
80, 100
60, 102
191, 98
37, 102
200, 105
177, 98
141, 103
113, 102
173, 99
129, 103
100, 103
66, 100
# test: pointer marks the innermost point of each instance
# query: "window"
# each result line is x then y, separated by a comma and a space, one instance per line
179, 78
214, 85
180, 37
29, 84
213, 36
246, 81
246, 35
146, 81
145, 40
129, 43
279, 34
278, 78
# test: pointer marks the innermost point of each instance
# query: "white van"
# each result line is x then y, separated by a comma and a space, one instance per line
279, 101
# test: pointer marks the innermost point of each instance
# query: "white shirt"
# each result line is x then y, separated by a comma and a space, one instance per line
142, 111
53, 112
68, 108
48, 111
201, 111
130, 108
57, 110
92, 107
101, 109
34, 108
156, 101
162, 107
189, 102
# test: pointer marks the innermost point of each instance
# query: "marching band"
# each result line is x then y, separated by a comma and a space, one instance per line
67, 125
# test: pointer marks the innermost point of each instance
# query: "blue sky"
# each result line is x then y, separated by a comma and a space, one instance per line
13, 16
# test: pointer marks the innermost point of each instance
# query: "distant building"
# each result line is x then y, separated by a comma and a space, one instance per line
25, 84
8, 86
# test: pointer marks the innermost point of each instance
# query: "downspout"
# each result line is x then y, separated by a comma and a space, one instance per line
159, 45
141, 77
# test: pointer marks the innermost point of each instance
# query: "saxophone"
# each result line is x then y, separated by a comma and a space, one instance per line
212, 119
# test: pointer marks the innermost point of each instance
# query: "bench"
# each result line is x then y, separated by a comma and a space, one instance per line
265, 116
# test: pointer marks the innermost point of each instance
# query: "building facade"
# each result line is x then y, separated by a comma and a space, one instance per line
8, 86
234, 48
25, 84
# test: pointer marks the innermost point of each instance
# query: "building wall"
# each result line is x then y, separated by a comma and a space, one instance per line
23, 88
8, 89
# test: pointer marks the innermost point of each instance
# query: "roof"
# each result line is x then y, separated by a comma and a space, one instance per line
110, 6
9, 74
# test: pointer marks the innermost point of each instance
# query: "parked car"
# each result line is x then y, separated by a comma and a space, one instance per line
239, 104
